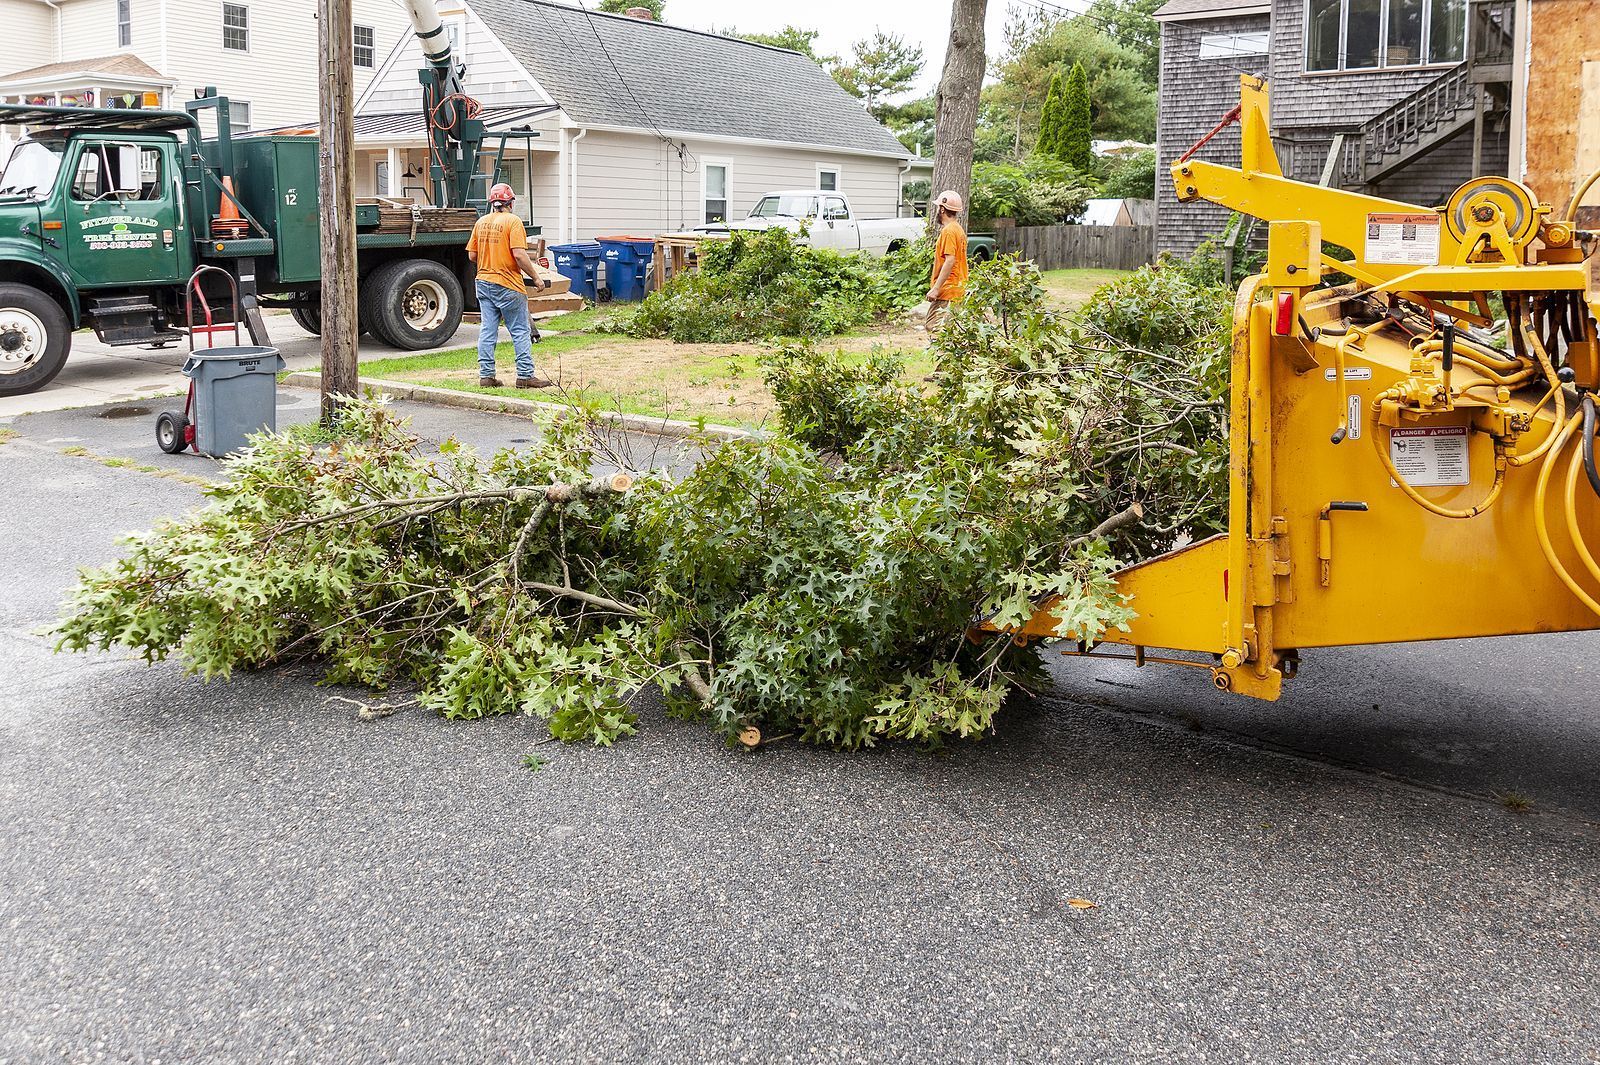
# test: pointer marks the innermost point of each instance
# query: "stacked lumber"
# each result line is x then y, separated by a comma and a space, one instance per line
407, 216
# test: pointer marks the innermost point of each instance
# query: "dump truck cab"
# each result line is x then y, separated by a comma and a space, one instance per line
106, 215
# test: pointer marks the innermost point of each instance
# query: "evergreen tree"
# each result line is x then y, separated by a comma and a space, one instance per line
1077, 149
1053, 120
879, 67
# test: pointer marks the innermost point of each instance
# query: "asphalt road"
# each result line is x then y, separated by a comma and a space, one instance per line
243, 871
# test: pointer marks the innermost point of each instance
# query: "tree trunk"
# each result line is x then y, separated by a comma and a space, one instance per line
957, 109
335, 51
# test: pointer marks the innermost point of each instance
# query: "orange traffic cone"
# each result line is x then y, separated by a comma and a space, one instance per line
228, 225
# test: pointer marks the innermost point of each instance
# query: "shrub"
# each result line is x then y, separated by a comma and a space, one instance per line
756, 286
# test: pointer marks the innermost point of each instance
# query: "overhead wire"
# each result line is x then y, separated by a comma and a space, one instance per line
684, 154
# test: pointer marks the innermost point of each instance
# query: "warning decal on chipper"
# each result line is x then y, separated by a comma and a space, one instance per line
1403, 239
1426, 457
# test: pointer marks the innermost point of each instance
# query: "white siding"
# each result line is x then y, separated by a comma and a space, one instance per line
31, 29
278, 75
636, 184
494, 79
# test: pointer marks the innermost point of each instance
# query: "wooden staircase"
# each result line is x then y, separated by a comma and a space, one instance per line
1473, 95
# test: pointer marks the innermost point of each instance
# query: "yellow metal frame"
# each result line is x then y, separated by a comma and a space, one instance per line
1324, 546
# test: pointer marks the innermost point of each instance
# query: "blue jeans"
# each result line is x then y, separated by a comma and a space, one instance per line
496, 303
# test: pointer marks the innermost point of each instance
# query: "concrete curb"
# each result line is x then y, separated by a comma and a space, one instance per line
449, 397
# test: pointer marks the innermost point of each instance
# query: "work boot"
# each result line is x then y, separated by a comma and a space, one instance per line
534, 382
490, 382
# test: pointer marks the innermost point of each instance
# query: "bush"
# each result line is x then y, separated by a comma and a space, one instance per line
1040, 192
1132, 178
753, 286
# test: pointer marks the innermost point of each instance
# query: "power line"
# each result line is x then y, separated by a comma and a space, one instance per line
682, 149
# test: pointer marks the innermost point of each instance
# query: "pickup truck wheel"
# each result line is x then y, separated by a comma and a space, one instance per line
35, 338
412, 304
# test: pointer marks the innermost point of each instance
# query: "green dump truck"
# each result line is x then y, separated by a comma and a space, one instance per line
106, 214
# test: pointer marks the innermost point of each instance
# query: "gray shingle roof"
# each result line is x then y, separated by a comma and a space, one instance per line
682, 80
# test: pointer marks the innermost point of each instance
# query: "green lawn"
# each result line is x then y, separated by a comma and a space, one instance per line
1071, 289
718, 383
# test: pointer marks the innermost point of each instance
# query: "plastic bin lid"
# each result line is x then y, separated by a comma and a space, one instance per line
247, 351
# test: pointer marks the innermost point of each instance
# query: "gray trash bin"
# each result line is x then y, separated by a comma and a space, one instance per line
235, 394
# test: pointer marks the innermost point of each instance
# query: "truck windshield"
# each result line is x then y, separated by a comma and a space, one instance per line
785, 207
32, 168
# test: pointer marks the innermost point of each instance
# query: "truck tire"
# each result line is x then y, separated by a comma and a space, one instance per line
412, 304
35, 338
307, 319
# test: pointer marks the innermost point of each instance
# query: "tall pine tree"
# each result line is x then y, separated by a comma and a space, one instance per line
1053, 120
1077, 147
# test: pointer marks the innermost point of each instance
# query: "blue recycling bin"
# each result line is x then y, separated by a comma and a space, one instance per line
627, 262
580, 264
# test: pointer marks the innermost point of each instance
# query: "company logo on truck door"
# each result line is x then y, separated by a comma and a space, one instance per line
119, 231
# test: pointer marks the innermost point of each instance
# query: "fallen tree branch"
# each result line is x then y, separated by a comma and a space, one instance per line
1132, 514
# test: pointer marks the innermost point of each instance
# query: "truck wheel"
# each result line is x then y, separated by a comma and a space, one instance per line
35, 338
307, 319
412, 304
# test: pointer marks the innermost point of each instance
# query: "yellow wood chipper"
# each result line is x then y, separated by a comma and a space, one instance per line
1399, 471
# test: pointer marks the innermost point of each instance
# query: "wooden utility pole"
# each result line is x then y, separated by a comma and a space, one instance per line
956, 121
335, 52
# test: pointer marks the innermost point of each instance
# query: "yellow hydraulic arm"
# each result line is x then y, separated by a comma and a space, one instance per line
1404, 464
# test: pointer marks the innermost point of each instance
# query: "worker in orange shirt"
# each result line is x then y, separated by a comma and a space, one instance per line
949, 282
499, 246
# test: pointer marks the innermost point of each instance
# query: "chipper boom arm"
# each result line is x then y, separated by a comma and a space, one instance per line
1398, 471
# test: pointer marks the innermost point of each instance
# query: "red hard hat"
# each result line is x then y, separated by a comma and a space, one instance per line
501, 193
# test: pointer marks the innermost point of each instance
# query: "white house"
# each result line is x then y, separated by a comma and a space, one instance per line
644, 127
261, 53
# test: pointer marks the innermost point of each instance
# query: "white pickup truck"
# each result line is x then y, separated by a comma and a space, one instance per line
829, 221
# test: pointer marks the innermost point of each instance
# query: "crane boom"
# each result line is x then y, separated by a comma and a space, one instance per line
450, 116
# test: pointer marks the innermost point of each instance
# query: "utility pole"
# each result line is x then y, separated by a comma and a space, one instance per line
956, 113
336, 61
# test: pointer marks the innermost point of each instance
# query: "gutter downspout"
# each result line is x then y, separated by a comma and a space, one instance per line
900, 192
563, 228
53, 6
572, 195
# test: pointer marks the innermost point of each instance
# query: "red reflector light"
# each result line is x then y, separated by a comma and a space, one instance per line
544, 261
1283, 324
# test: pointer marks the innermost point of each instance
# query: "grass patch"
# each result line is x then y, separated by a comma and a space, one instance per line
8, 434
118, 462
584, 321
1070, 289
458, 358
717, 383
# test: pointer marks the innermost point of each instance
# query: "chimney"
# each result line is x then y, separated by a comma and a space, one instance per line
640, 13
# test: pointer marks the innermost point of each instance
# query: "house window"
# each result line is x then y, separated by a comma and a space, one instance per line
716, 192
1373, 34
380, 178
124, 23
1229, 45
236, 27
365, 46
827, 179
239, 115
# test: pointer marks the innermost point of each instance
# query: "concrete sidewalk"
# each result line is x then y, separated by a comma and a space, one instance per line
97, 373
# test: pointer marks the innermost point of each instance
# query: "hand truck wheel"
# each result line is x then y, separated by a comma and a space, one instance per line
171, 432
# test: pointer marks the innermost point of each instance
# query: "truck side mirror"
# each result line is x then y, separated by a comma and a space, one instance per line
128, 177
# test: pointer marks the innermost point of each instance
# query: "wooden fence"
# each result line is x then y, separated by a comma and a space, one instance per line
1076, 247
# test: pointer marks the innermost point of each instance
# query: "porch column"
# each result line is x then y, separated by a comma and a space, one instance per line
395, 170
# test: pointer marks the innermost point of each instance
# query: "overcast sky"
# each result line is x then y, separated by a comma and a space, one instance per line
845, 21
